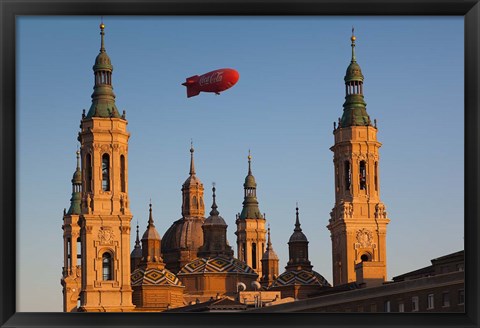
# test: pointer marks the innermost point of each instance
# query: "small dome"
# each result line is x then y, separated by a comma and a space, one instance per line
354, 73
136, 253
270, 255
297, 236
192, 180
217, 264
154, 277
301, 277
215, 220
77, 177
250, 182
151, 233
185, 234
103, 62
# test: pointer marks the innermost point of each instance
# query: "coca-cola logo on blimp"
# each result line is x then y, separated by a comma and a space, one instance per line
212, 78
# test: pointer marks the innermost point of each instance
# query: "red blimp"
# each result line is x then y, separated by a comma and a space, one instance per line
214, 81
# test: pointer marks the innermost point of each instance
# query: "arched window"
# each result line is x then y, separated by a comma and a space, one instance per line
348, 175
194, 201
107, 266
88, 173
363, 175
106, 172
122, 173
365, 257
376, 176
254, 256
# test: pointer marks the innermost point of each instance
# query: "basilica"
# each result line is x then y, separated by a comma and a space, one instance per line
193, 262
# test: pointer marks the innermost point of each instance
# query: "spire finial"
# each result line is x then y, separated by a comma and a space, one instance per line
102, 33
192, 164
214, 211
78, 158
137, 241
297, 222
150, 217
269, 242
353, 38
249, 162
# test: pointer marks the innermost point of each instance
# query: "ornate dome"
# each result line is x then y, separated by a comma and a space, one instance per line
218, 264
301, 277
185, 233
154, 277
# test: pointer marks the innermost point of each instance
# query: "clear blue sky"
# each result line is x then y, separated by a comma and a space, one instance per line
290, 92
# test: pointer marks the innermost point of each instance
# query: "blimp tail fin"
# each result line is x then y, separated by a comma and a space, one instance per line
192, 86
192, 90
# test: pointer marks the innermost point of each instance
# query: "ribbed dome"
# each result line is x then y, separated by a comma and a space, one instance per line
301, 277
154, 277
218, 264
185, 233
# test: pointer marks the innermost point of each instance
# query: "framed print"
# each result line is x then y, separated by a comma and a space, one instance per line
239, 163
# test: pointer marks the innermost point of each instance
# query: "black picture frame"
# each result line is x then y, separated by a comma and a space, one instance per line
9, 9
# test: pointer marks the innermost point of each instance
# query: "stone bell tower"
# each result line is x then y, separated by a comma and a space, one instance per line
251, 230
105, 218
358, 222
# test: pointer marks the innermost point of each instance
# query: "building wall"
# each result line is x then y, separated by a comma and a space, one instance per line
375, 299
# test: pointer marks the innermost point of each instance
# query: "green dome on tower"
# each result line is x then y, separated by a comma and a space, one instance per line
354, 108
103, 98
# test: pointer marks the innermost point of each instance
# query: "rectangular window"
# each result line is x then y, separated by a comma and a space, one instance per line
461, 296
360, 308
386, 306
415, 304
373, 307
430, 301
401, 307
79, 252
445, 299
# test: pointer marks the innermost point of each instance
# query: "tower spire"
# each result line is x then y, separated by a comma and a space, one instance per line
269, 242
103, 98
102, 33
192, 164
150, 217
353, 38
249, 163
354, 107
297, 221
214, 210
137, 240
75, 201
